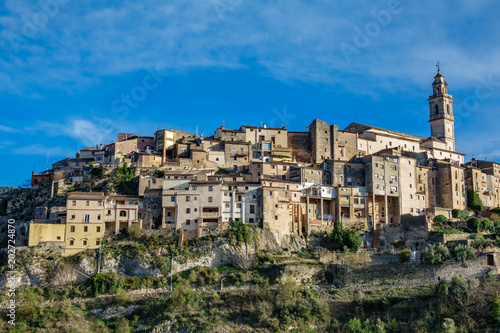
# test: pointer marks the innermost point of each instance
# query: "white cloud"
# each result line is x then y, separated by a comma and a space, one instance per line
292, 40
8, 129
38, 149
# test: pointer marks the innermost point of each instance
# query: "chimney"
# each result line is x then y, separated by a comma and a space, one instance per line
223, 127
265, 126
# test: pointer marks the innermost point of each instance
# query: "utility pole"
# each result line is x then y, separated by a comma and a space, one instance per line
221, 282
172, 261
99, 259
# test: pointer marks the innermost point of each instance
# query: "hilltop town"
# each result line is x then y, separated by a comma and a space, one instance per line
366, 178
268, 204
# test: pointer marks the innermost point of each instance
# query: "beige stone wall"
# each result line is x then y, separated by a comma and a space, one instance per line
413, 185
79, 205
300, 143
256, 135
82, 236
277, 215
373, 141
451, 186
45, 232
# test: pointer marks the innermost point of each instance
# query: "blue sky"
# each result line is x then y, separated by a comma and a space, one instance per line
67, 67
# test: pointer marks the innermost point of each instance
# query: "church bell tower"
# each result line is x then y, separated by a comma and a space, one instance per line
441, 112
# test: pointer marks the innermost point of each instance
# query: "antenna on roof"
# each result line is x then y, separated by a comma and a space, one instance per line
437, 65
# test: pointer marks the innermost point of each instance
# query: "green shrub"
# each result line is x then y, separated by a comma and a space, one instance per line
460, 214
464, 253
121, 297
404, 255
474, 224
122, 325
135, 232
495, 210
473, 201
440, 219
480, 243
487, 225
341, 238
495, 308
435, 254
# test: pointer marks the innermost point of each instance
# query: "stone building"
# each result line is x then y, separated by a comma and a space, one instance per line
241, 202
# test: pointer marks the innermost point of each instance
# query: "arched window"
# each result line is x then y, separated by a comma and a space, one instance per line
123, 213
436, 109
448, 109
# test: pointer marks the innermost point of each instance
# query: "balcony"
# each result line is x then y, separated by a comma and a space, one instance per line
123, 206
210, 214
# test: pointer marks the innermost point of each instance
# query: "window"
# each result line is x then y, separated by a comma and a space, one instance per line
87, 203
73, 203
85, 229
123, 213
252, 209
194, 187
72, 217
275, 217
228, 205
188, 222
188, 210
84, 242
238, 205
169, 214
87, 218
210, 199
71, 242
98, 217
210, 188
98, 229
72, 229
172, 199
109, 212
195, 198
188, 198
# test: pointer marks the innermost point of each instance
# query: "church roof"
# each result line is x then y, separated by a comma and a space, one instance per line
439, 78
358, 128
431, 138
